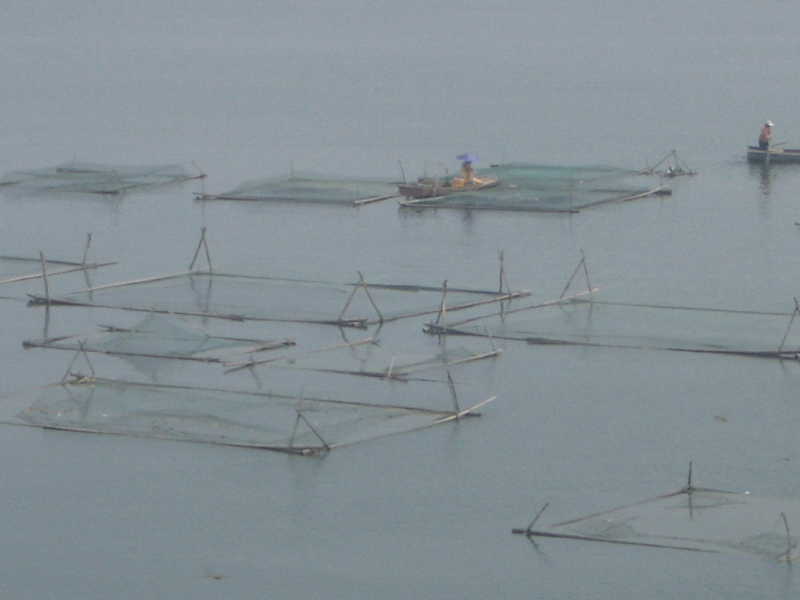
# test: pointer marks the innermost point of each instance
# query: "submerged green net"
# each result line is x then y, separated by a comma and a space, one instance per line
529, 187
312, 188
78, 177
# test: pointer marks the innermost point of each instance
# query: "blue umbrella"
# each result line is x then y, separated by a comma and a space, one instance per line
468, 157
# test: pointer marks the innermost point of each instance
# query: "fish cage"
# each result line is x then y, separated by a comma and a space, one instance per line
295, 424
310, 188
78, 177
695, 519
244, 297
160, 336
541, 188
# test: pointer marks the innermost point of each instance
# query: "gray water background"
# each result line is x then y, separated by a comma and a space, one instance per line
248, 91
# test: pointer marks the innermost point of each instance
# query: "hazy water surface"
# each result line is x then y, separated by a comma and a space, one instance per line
246, 91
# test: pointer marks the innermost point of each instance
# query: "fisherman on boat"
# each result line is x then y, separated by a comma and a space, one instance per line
765, 137
467, 172
467, 178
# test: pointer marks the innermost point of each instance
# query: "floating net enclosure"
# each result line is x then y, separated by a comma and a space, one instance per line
312, 188
367, 358
603, 319
240, 297
94, 178
161, 336
695, 519
528, 187
284, 423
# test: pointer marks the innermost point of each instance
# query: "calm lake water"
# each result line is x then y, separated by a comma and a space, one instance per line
245, 91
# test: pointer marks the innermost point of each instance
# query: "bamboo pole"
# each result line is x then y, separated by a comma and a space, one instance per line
252, 363
453, 395
529, 529
443, 307
372, 199
44, 275
586, 272
789, 328
571, 277
314, 431
391, 367
202, 244
86, 249
361, 283
375, 306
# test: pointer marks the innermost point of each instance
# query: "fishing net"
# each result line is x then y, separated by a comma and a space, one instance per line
602, 320
240, 297
692, 519
368, 358
528, 187
161, 336
269, 421
310, 187
94, 178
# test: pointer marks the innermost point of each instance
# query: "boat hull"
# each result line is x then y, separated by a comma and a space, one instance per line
429, 188
773, 155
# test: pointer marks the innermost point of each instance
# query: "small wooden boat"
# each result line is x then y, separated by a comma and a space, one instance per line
428, 187
772, 155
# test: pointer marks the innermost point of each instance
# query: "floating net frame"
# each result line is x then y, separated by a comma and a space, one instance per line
161, 336
79, 177
398, 296
366, 358
692, 518
282, 423
586, 319
312, 188
542, 188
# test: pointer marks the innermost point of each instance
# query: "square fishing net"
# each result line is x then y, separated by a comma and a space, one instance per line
161, 336
240, 297
270, 421
692, 519
310, 188
528, 187
78, 177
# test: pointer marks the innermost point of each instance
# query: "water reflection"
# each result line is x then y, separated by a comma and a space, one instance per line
765, 177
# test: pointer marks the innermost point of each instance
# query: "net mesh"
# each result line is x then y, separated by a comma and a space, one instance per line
595, 321
93, 178
693, 519
369, 359
311, 187
529, 187
269, 421
162, 336
272, 299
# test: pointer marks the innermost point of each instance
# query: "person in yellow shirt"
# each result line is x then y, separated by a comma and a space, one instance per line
467, 173
467, 178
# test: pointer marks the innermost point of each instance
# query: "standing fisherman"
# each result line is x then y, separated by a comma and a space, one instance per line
765, 137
